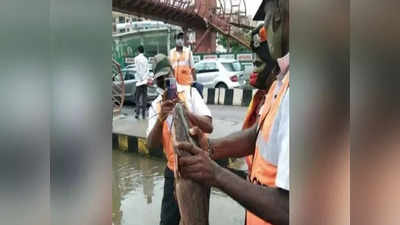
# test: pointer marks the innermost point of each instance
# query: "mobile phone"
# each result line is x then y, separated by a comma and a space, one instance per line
170, 84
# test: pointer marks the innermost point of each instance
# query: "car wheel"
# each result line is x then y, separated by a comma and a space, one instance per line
221, 85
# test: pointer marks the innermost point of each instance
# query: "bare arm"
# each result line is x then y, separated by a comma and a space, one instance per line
238, 144
270, 204
203, 122
154, 139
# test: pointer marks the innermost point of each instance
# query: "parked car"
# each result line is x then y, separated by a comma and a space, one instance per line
130, 85
133, 66
130, 66
247, 70
219, 73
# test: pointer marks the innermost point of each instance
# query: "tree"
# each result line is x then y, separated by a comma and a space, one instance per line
235, 47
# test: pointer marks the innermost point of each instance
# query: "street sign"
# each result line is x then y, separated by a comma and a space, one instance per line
245, 57
210, 57
227, 56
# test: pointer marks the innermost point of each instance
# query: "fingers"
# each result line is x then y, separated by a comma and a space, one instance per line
167, 107
186, 146
188, 160
191, 169
199, 136
168, 103
198, 176
196, 133
176, 100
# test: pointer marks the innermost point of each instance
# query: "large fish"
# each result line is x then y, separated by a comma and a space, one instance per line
193, 198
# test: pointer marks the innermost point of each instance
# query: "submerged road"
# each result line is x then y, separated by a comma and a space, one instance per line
137, 190
138, 180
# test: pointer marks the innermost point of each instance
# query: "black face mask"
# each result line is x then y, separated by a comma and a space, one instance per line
161, 82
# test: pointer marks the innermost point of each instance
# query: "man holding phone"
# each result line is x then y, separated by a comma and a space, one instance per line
160, 122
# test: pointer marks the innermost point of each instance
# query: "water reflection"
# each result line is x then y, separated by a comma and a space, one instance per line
138, 187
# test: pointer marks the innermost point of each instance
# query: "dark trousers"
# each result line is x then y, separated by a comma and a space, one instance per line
169, 206
141, 99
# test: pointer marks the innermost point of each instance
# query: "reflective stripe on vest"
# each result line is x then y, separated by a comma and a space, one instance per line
182, 70
264, 170
166, 137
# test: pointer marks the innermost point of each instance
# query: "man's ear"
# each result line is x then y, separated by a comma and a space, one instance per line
276, 19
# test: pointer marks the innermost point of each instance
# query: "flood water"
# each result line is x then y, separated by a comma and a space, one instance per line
137, 191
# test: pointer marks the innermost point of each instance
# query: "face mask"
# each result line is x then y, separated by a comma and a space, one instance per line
179, 42
160, 84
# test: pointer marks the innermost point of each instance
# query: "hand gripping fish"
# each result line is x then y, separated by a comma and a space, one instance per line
193, 198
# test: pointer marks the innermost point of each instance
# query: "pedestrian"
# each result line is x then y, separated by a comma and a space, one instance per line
142, 73
181, 59
266, 195
159, 124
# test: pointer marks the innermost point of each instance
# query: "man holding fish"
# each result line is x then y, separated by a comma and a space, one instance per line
266, 196
160, 126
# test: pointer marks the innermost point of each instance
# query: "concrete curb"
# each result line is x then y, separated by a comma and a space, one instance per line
128, 143
221, 96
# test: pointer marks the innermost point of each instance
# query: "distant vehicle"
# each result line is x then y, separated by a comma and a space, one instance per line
247, 70
129, 75
130, 66
133, 66
140, 25
219, 73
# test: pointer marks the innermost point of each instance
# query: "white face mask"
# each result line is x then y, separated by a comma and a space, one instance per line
179, 42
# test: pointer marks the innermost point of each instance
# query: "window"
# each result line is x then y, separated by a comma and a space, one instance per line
128, 75
232, 67
211, 67
200, 68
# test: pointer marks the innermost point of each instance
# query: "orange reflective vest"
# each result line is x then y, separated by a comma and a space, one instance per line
251, 118
264, 172
180, 62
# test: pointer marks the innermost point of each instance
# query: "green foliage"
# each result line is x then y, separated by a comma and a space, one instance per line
235, 47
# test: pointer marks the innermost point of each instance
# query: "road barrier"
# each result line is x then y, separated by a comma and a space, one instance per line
222, 96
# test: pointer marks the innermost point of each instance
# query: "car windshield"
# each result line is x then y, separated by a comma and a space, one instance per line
232, 67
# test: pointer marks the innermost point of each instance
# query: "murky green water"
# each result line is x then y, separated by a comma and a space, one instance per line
137, 192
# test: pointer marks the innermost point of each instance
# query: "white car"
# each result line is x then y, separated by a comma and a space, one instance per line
219, 73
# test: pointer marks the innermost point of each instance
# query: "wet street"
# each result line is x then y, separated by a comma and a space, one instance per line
137, 190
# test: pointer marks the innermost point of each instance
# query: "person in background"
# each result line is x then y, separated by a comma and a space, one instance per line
142, 73
158, 131
181, 59
257, 80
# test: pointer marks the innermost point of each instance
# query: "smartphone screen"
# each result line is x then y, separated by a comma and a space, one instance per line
170, 84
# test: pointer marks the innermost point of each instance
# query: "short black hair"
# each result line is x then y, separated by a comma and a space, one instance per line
179, 34
140, 48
